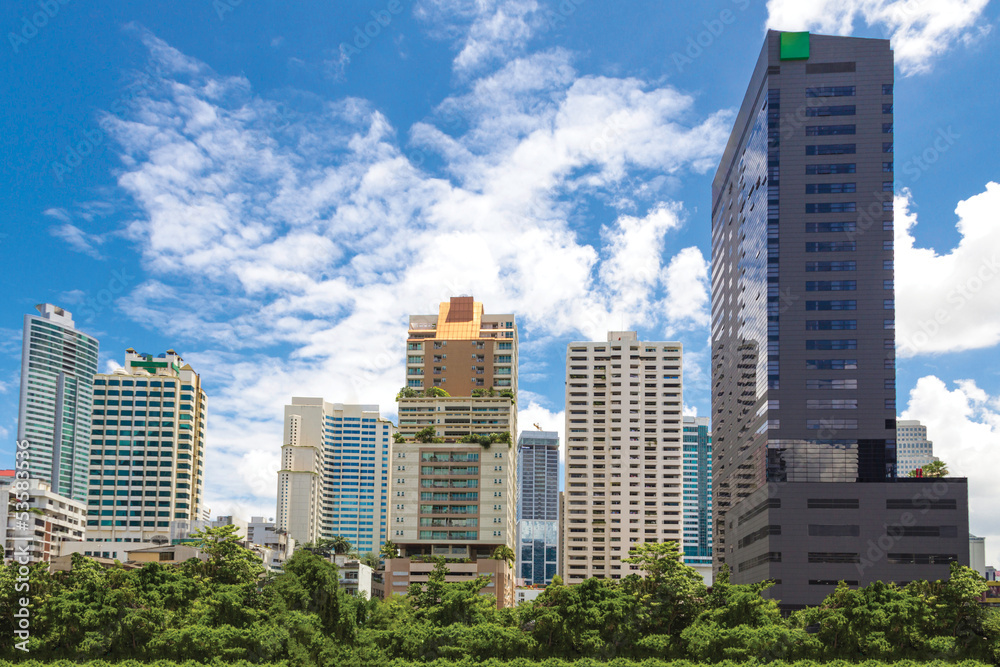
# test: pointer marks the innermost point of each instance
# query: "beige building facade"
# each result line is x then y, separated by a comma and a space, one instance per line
623, 472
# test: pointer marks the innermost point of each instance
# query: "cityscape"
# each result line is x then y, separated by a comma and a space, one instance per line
708, 396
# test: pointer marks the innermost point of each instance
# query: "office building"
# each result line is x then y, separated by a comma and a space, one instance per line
334, 476
803, 349
697, 545
58, 364
913, 449
623, 452
51, 523
147, 456
454, 465
537, 507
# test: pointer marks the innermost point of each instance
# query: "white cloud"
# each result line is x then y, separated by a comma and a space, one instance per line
317, 234
949, 302
687, 301
535, 413
484, 31
919, 29
77, 239
964, 425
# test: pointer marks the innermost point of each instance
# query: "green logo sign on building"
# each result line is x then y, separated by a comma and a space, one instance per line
794, 45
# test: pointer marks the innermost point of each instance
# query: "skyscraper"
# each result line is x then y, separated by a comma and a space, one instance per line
913, 447
334, 476
147, 452
58, 364
537, 506
623, 452
697, 547
802, 335
453, 464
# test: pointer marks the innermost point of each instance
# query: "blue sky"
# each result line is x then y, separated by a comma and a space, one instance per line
270, 191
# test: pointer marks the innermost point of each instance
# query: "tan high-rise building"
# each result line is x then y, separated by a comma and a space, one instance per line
452, 494
623, 452
147, 449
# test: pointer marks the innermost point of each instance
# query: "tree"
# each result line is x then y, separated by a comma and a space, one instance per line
407, 392
340, 544
229, 561
556, 580
427, 435
436, 392
371, 559
389, 550
398, 437
504, 553
932, 469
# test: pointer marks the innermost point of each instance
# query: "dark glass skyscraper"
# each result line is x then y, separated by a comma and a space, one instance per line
537, 506
803, 346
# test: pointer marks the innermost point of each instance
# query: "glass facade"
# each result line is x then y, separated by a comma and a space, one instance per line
538, 506
697, 546
58, 364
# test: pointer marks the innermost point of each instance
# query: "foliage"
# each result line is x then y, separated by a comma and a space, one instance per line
222, 611
436, 392
487, 440
932, 469
407, 392
427, 435
504, 553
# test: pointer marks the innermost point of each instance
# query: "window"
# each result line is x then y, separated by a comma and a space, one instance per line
832, 504
842, 110
889, 304
887, 167
832, 149
886, 146
833, 557
832, 207
832, 305
846, 530
921, 559
830, 227
832, 364
831, 266
830, 188
831, 91
829, 130
887, 284
887, 265
832, 404
921, 504
831, 246
887, 89
886, 128
830, 68
831, 384
831, 285
844, 344
887, 108
831, 325
887, 225
821, 169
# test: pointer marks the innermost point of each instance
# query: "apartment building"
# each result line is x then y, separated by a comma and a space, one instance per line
334, 476
697, 547
454, 483
624, 454
913, 449
50, 524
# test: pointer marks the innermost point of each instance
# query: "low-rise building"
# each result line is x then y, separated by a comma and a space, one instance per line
51, 520
355, 576
168, 554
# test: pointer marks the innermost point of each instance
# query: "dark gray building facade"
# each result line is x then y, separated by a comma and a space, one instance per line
803, 347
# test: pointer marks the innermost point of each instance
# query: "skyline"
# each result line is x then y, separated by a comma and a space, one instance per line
571, 148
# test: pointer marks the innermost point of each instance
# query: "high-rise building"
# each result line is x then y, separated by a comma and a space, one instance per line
697, 546
913, 449
537, 506
147, 448
58, 364
453, 464
803, 348
623, 452
334, 476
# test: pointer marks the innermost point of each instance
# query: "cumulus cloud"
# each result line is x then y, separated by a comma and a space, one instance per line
949, 302
963, 422
919, 30
288, 248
